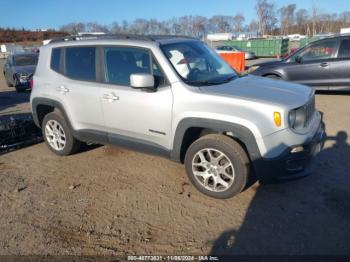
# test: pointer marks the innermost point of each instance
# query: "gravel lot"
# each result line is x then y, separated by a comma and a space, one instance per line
112, 201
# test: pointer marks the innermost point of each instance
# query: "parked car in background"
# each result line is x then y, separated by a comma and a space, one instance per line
322, 64
12, 49
18, 69
225, 48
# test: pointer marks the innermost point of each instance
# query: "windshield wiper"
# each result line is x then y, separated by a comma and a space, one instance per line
212, 81
230, 78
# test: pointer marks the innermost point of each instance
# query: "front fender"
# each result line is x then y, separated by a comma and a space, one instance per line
239, 132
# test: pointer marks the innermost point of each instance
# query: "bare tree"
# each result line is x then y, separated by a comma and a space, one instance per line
253, 26
287, 18
291, 21
302, 21
95, 27
266, 16
314, 17
199, 26
221, 24
73, 28
238, 21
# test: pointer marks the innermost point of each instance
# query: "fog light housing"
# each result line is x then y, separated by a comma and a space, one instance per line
297, 149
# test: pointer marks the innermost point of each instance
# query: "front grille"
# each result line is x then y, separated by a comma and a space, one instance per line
309, 108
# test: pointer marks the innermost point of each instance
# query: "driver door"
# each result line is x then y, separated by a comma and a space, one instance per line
135, 117
313, 65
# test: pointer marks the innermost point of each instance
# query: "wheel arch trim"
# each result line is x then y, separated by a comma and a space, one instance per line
242, 133
48, 102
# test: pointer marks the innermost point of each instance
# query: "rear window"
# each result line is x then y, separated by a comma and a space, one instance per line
55, 59
80, 63
25, 60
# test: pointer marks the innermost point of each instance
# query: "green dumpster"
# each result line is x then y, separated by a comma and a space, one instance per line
305, 41
262, 47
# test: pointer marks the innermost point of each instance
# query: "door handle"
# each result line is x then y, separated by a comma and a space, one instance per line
325, 64
110, 97
62, 89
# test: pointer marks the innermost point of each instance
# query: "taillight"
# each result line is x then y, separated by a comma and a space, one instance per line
31, 83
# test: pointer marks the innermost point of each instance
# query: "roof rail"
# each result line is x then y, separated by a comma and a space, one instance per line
102, 36
161, 37
116, 36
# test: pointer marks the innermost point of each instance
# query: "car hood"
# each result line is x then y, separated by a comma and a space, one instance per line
261, 89
24, 69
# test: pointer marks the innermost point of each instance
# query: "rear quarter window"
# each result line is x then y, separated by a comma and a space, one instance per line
55, 59
344, 50
80, 63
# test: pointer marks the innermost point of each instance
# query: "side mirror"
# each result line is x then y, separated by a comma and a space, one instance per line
143, 81
298, 59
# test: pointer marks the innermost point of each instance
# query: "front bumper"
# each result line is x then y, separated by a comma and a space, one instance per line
23, 85
291, 165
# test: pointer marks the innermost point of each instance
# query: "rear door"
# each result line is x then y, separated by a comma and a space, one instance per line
77, 89
314, 66
340, 70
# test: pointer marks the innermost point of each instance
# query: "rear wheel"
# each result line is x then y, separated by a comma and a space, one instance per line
58, 136
217, 166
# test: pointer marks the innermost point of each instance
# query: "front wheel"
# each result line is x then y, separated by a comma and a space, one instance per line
19, 89
58, 136
217, 166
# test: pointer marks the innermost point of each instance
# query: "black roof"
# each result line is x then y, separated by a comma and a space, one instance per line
118, 36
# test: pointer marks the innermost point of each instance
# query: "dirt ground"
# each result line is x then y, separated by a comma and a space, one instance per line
112, 201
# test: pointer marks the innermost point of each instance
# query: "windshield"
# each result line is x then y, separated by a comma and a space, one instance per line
197, 64
238, 48
25, 60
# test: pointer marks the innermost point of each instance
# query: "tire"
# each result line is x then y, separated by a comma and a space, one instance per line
233, 157
7, 82
56, 122
18, 89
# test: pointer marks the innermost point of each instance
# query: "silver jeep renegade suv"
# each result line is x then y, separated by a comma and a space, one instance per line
174, 96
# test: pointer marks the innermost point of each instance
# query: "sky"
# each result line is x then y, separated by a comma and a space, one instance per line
54, 13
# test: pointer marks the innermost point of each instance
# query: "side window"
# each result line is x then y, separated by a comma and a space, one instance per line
318, 51
344, 50
55, 59
121, 62
80, 63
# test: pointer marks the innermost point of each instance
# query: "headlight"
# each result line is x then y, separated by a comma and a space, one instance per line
297, 118
291, 118
252, 69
